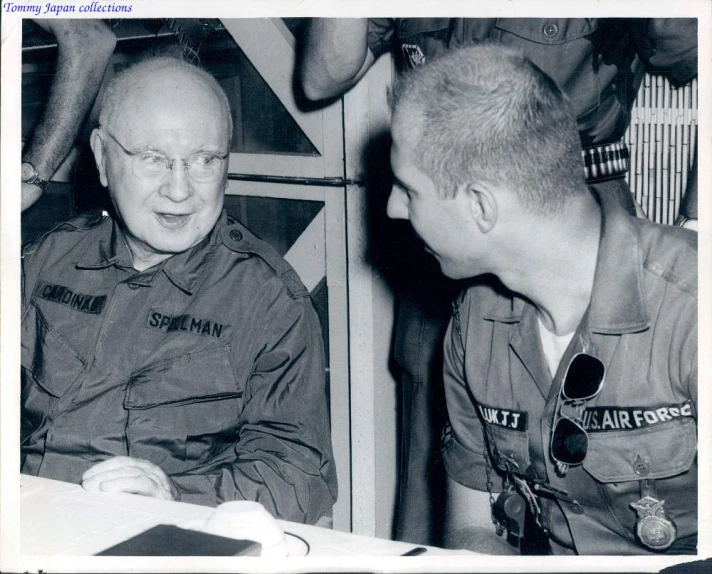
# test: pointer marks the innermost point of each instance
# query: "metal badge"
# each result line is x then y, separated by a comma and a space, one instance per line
654, 529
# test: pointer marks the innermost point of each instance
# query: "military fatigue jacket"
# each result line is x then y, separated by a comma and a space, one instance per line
209, 365
642, 324
597, 62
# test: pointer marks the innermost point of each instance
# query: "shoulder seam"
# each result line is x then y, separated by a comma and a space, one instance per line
671, 278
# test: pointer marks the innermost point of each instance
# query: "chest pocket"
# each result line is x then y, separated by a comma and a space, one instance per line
655, 452
509, 448
46, 356
185, 410
562, 48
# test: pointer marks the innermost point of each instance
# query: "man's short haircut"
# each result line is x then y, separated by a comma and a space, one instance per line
486, 113
111, 99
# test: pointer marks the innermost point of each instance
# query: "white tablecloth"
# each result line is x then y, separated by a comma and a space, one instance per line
59, 518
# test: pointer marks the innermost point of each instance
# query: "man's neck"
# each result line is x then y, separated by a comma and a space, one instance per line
554, 265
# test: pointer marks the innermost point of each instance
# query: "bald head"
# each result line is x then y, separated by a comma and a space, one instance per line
159, 84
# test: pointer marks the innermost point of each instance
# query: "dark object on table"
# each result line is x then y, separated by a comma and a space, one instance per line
168, 540
417, 551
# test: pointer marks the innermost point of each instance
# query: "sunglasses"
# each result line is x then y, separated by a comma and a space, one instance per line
582, 382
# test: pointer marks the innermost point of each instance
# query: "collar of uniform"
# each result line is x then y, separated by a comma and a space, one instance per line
107, 249
617, 300
185, 269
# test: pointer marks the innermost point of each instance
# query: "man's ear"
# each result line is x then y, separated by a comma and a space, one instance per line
98, 148
482, 204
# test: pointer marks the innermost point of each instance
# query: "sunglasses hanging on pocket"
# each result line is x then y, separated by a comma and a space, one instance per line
582, 382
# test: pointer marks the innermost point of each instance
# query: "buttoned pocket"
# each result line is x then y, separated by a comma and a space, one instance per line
509, 448
565, 50
548, 30
655, 452
184, 410
663, 455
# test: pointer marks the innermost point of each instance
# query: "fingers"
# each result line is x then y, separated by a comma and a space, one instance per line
130, 475
114, 463
143, 485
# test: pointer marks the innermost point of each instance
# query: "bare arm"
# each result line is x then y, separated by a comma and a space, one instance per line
336, 56
83, 51
468, 521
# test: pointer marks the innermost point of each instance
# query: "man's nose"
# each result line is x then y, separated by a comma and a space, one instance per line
397, 207
177, 187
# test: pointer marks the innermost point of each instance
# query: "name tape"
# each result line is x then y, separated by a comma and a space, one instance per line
505, 418
92, 304
187, 323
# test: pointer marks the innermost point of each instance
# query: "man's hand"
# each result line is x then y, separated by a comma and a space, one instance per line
132, 475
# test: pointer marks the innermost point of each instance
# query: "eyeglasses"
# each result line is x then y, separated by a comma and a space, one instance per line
202, 167
582, 382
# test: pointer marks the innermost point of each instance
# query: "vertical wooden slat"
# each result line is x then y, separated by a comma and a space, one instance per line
665, 170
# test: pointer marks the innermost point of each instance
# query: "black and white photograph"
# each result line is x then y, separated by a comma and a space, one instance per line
297, 288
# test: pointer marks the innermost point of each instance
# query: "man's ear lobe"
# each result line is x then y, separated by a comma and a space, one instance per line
98, 148
483, 206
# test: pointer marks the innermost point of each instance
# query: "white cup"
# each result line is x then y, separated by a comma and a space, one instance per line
248, 520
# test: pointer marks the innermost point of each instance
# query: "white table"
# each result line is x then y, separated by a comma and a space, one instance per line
58, 518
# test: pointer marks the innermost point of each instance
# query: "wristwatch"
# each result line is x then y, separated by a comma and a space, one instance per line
29, 175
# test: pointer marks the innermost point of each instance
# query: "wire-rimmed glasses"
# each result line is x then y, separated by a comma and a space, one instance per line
148, 165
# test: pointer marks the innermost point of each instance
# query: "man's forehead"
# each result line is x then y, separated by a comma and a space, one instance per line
191, 112
149, 92
406, 125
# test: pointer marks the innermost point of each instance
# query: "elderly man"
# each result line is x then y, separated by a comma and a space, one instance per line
166, 351
571, 363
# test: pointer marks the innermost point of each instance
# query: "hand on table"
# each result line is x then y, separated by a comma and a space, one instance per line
132, 475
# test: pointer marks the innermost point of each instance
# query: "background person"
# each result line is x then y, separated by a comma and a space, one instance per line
84, 48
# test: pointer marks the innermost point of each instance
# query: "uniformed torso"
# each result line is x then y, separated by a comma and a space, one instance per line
141, 364
641, 426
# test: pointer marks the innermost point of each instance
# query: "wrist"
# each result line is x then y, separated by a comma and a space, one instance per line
686, 222
31, 176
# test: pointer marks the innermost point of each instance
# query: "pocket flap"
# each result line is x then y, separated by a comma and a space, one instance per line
413, 26
558, 30
50, 359
509, 448
195, 377
654, 452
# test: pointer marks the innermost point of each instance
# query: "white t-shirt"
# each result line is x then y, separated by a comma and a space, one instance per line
554, 346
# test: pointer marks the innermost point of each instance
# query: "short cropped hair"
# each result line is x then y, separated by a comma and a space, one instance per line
118, 85
486, 113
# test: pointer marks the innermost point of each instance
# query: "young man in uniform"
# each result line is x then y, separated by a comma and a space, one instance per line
166, 351
599, 63
571, 363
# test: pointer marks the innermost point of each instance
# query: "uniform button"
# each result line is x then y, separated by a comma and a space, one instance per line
133, 286
641, 466
551, 30
236, 235
576, 508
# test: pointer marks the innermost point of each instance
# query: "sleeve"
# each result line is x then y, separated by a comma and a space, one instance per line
465, 453
282, 457
668, 45
381, 35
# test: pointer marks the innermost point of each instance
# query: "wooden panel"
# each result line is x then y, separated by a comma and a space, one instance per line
373, 389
